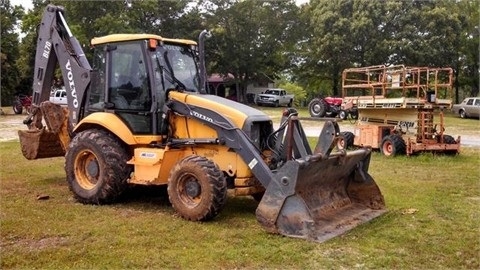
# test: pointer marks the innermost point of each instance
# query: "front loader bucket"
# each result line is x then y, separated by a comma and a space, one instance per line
40, 144
321, 196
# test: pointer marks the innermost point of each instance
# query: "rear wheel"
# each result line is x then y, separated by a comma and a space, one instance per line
317, 107
96, 167
17, 107
463, 114
290, 103
345, 140
393, 145
197, 189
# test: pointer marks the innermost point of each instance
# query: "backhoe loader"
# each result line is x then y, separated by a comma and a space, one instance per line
140, 116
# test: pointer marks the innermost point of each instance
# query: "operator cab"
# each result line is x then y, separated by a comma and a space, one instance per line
132, 74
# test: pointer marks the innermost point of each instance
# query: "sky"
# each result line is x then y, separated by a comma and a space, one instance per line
27, 4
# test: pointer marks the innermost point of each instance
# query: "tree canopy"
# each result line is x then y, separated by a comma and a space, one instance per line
309, 44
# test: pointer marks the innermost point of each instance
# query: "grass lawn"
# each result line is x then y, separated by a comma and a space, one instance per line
432, 223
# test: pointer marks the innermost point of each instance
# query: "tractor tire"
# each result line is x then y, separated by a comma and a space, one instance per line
96, 167
17, 107
393, 145
345, 140
197, 188
343, 115
317, 107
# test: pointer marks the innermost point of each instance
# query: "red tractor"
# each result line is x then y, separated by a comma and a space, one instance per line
21, 101
331, 107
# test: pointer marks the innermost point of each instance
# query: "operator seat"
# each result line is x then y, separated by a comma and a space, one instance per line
119, 100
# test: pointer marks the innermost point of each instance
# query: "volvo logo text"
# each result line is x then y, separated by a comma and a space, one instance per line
71, 83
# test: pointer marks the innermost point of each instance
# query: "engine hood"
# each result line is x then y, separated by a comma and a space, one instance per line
239, 114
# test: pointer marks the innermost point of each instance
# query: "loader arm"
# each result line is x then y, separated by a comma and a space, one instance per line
57, 45
313, 196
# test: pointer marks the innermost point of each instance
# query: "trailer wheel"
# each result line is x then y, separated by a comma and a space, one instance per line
317, 107
345, 140
393, 145
197, 188
354, 114
96, 167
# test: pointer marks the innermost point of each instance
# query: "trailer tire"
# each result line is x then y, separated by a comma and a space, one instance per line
345, 140
197, 188
317, 107
393, 145
96, 167
354, 114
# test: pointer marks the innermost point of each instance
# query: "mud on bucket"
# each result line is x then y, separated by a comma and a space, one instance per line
41, 143
320, 198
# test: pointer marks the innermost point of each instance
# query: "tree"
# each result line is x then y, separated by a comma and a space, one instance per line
10, 15
250, 38
350, 33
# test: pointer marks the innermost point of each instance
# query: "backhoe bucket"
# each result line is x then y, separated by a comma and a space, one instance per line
40, 144
45, 141
321, 196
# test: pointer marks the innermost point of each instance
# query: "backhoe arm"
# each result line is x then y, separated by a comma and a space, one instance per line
56, 44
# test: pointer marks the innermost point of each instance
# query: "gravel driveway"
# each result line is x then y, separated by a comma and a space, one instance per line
11, 123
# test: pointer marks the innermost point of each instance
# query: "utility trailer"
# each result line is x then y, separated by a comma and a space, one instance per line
397, 106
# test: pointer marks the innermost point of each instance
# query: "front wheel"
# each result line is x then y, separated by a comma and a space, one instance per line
343, 115
96, 167
393, 145
197, 188
345, 140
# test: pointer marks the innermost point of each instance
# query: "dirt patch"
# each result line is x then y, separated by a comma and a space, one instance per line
35, 244
9, 126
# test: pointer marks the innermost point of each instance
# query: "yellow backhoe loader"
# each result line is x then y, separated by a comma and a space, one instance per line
140, 115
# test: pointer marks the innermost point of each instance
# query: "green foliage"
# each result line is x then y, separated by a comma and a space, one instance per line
250, 38
312, 43
296, 90
9, 16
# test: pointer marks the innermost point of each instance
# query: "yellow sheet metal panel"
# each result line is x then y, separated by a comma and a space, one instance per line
236, 116
131, 37
115, 125
152, 166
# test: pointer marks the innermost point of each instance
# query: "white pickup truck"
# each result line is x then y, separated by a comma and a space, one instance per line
59, 97
275, 97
